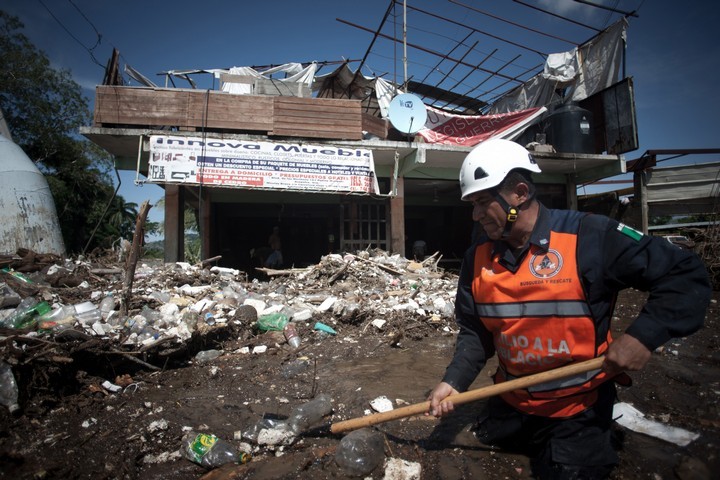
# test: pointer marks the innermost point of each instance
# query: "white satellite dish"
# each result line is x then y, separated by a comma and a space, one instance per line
407, 113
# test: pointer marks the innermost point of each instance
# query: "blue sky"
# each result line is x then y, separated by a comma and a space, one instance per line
672, 53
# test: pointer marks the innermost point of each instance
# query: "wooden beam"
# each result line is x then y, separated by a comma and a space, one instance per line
397, 219
174, 223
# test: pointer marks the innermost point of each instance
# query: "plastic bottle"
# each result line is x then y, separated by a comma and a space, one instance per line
209, 451
64, 316
291, 335
8, 388
58, 319
310, 413
360, 452
107, 305
26, 313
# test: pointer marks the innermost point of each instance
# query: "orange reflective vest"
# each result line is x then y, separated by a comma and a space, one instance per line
540, 320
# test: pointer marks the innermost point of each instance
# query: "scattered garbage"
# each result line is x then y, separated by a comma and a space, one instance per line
360, 452
210, 451
65, 316
324, 328
633, 419
8, 388
399, 469
381, 404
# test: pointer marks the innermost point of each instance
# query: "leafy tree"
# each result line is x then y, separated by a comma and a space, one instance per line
43, 108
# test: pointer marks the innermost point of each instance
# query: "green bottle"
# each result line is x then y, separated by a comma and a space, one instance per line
26, 314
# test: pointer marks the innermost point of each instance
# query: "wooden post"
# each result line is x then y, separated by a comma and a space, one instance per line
135, 253
174, 223
397, 219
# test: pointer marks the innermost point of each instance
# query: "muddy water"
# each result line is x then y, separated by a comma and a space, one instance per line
405, 376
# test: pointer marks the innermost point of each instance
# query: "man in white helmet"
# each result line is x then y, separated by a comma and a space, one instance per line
538, 289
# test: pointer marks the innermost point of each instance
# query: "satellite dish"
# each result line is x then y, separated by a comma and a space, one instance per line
407, 113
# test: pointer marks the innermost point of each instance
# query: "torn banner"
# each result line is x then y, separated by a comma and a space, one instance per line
469, 130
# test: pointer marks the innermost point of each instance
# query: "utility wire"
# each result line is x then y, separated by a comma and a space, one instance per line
92, 55
99, 36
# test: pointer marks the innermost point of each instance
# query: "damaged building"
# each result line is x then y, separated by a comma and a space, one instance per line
342, 162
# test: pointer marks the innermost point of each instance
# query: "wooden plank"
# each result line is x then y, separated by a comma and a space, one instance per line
315, 133
140, 106
187, 109
375, 125
317, 118
233, 112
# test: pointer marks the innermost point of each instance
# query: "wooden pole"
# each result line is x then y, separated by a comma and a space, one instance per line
135, 251
470, 396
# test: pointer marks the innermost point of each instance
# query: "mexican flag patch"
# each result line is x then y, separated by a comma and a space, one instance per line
630, 232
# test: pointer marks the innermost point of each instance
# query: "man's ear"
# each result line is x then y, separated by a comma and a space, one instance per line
522, 192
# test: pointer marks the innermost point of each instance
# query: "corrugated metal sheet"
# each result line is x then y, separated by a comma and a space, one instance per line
683, 182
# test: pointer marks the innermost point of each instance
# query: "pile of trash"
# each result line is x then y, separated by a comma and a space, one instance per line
171, 301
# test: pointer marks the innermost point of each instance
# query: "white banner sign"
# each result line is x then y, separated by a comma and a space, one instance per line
262, 165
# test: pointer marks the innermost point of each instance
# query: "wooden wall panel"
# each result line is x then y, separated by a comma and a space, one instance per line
140, 106
188, 109
375, 125
231, 112
317, 118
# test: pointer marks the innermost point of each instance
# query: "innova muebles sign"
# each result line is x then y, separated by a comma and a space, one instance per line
260, 165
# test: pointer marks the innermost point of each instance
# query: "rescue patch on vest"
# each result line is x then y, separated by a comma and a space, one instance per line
546, 265
630, 232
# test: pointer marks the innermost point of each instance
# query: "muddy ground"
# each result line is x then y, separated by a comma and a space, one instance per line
71, 427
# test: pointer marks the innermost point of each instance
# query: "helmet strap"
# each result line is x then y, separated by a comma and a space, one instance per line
511, 213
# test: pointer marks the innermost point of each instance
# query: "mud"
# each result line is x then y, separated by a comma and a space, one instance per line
71, 427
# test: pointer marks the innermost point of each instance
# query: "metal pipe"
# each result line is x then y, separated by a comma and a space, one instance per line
556, 15
478, 31
512, 23
426, 50
615, 10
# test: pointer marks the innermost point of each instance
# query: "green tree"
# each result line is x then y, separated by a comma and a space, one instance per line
43, 108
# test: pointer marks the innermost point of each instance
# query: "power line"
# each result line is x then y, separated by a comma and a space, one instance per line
99, 36
92, 55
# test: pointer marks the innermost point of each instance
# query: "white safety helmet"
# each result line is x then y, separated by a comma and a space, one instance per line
487, 165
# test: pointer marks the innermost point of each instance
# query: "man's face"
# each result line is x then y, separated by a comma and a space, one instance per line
488, 212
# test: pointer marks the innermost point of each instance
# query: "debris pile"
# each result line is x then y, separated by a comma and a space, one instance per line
55, 309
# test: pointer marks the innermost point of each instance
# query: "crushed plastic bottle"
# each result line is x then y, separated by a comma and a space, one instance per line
206, 356
26, 314
360, 452
87, 313
8, 296
308, 414
272, 321
8, 388
210, 451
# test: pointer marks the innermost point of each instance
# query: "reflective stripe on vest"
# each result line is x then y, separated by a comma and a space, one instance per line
540, 320
560, 383
534, 309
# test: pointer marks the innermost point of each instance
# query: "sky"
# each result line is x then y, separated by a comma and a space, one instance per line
672, 48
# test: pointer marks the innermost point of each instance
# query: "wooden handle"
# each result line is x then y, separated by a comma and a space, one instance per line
470, 396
